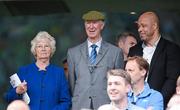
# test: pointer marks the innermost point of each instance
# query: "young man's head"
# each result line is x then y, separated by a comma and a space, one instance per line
125, 41
118, 85
138, 68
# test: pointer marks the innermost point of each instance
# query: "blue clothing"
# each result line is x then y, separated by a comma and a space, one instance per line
147, 98
47, 89
134, 107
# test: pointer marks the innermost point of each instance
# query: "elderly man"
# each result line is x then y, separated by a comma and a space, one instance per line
88, 64
161, 54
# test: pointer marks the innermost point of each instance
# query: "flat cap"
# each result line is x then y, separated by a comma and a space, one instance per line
93, 15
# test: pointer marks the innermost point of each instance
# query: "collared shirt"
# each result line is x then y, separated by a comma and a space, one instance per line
97, 48
134, 107
147, 98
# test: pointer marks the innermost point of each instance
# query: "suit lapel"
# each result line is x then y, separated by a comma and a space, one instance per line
103, 49
157, 52
101, 54
84, 52
85, 55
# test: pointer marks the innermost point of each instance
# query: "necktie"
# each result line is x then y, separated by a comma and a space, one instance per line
92, 58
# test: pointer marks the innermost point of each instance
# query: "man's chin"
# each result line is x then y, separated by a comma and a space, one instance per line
91, 36
113, 98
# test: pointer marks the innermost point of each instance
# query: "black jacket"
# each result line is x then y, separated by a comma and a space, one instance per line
164, 67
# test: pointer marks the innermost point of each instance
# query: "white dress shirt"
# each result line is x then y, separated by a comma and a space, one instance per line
97, 48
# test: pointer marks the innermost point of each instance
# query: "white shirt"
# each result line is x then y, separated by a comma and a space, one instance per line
97, 48
148, 52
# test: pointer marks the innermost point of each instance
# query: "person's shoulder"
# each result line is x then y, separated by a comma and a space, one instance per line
111, 46
170, 44
108, 44
25, 69
156, 94
74, 48
56, 71
56, 67
26, 66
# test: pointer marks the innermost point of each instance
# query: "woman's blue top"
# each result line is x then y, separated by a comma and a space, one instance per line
47, 89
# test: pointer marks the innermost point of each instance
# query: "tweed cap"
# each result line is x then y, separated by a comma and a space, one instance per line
93, 15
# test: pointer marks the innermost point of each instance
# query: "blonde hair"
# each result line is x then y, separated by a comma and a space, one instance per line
121, 73
43, 35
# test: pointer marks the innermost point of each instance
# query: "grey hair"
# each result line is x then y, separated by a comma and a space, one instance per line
43, 35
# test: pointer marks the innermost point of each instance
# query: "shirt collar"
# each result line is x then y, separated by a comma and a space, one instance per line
97, 43
155, 44
36, 67
144, 93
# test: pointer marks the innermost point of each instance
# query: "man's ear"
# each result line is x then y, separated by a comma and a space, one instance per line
155, 26
143, 72
128, 87
120, 44
102, 24
178, 90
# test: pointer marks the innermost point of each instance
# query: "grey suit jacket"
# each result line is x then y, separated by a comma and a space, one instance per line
89, 82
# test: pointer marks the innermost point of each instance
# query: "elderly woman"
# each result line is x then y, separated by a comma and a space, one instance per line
45, 83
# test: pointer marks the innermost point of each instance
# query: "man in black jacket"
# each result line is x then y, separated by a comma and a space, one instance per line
162, 55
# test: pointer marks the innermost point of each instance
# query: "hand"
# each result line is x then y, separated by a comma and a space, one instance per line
22, 88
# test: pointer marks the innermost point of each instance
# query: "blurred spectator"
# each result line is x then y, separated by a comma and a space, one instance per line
125, 41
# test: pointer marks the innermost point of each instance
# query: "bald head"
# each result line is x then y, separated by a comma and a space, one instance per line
148, 28
18, 105
150, 16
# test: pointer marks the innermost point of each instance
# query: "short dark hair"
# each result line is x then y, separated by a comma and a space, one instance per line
124, 35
